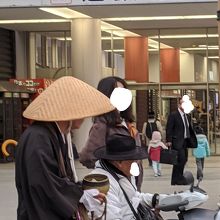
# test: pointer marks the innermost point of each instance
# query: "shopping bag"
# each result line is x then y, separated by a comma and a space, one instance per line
168, 156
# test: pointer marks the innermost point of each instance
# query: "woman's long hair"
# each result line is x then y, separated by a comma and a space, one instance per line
106, 86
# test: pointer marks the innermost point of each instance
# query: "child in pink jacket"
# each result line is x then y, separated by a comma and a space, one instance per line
155, 145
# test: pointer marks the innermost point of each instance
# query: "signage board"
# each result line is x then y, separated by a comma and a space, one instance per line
35, 85
51, 3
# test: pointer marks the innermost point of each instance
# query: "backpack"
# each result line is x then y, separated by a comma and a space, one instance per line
150, 128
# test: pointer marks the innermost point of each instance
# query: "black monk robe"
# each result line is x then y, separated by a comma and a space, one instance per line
43, 192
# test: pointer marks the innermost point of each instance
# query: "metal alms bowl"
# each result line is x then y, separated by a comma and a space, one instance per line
96, 181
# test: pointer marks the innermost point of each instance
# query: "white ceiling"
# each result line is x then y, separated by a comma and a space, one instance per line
144, 28
106, 11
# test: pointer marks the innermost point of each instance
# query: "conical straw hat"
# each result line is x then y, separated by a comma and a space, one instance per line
67, 99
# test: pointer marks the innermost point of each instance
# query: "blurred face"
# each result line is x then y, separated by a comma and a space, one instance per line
76, 123
124, 166
66, 126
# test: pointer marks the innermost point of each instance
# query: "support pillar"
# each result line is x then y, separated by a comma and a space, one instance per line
86, 62
136, 59
32, 56
218, 18
86, 50
136, 69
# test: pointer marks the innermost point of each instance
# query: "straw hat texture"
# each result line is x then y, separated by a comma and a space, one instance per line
67, 99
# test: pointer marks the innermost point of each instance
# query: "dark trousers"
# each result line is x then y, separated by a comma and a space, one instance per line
200, 166
177, 172
139, 179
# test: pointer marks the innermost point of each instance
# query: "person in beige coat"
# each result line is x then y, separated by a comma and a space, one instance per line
108, 124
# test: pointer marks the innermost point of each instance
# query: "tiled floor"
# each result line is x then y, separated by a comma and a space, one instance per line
211, 183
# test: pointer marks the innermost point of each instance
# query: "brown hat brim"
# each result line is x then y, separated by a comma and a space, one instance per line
67, 99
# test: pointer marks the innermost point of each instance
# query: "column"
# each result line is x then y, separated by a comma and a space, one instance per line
54, 49
32, 56
86, 50
86, 62
170, 65
218, 15
136, 69
136, 59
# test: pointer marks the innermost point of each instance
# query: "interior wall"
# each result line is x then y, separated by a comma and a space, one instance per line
154, 73
213, 71
119, 65
200, 66
186, 67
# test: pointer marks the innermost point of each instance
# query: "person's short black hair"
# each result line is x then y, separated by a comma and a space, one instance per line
198, 129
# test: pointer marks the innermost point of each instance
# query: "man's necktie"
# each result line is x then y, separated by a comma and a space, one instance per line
186, 126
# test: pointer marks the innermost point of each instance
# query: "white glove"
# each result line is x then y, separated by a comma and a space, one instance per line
89, 201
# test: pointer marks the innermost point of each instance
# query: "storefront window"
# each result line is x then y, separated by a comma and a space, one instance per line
179, 61
53, 54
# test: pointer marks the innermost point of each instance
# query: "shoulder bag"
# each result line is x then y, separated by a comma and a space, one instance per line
168, 156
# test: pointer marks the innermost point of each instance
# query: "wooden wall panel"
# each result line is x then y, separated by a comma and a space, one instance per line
170, 65
136, 59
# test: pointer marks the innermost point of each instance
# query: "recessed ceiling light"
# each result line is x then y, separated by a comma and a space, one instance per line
185, 36
201, 48
112, 29
32, 21
161, 18
213, 57
65, 12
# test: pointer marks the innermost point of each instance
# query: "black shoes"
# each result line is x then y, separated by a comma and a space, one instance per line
179, 182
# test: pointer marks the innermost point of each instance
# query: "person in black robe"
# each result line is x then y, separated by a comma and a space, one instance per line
45, 178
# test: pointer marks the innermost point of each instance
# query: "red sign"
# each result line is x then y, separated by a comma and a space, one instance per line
34, 85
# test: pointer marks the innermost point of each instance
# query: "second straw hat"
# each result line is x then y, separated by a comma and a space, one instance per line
67, 99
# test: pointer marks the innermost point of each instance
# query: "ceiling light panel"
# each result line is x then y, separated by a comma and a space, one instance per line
33, 21
200, 48
112, 29
161, 18
65, 13
185, 36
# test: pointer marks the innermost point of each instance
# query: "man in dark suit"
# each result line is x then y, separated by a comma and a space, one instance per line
180, 136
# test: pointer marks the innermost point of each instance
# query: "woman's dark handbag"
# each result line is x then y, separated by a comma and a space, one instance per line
168, 156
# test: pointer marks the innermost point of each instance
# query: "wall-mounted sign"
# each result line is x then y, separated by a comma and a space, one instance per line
48, 3
34, 85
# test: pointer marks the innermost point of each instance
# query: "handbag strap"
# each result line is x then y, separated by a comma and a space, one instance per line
125, 194
129, 203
